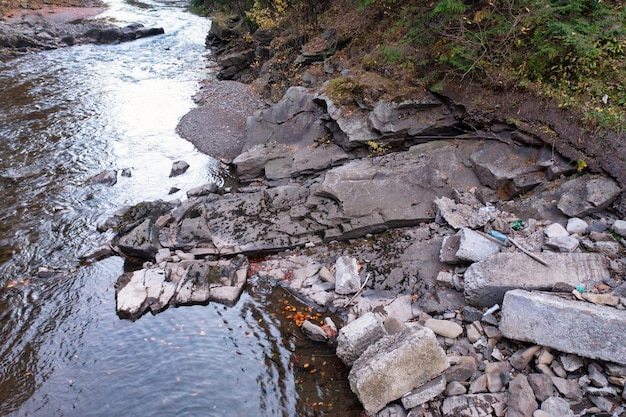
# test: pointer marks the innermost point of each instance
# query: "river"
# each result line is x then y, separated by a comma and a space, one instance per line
65, 116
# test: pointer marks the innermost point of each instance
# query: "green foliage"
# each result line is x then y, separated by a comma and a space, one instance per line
364, 3
392, 54
448, 8
575, 50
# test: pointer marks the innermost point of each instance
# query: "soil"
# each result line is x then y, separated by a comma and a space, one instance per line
53, 11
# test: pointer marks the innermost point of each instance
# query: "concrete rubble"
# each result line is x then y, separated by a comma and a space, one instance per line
457, 297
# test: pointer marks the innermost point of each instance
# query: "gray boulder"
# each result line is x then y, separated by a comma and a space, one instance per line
410, 118
105, 178
512, 169
399, 188
583, 196
178, 168
357, 336
141, 242
474, 247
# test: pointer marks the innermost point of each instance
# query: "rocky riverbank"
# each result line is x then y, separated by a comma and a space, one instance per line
479, 271
52, 28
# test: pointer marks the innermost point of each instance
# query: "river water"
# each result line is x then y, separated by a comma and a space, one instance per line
65, 116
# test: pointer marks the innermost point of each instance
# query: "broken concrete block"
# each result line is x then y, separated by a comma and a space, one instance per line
395, 365
424, 393
471, 405
588, 330
486, 282
347, 280
357, 336
474, 247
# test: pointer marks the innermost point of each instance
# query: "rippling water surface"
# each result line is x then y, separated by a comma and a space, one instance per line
65, 116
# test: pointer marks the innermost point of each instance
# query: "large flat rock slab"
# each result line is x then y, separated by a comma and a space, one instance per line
486, 282
400, 187
576, 327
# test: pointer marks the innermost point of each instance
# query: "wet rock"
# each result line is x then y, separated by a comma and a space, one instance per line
471, 405
347, 279
395, 365
178, 168
105, 178
357, 336
424, 393
583, 196
314, 332
520, 398
194, 282
486, 282
576, 322
140, 242
138, 290
205, 189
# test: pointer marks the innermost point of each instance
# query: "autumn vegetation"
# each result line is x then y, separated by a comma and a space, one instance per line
570, 51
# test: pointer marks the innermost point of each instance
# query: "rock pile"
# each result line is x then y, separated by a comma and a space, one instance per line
34, 33
461, 298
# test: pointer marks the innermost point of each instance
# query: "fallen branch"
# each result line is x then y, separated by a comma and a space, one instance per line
527, 252
367, 278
